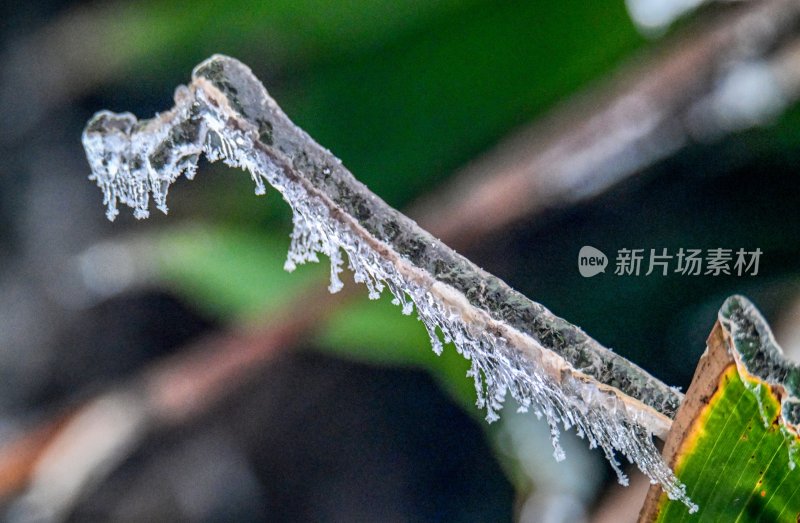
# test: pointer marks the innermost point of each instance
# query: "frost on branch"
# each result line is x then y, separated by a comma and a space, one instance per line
515, 346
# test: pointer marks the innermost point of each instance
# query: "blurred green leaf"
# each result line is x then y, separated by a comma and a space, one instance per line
404, 116
377, 332
404, 92
282, 33
228, 271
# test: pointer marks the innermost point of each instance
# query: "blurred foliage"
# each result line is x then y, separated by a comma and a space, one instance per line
404, 105
230, 272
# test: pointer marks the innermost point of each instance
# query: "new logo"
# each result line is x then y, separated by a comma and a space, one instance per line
591, 261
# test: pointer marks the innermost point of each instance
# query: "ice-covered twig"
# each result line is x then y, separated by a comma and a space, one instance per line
515, 346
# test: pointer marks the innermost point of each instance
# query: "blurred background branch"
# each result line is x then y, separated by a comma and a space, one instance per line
725, 75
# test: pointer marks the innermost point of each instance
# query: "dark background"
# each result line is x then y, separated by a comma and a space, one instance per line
359, 421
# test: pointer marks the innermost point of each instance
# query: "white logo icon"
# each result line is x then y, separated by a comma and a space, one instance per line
591, 261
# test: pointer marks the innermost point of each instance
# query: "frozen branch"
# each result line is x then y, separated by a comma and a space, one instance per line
515, 346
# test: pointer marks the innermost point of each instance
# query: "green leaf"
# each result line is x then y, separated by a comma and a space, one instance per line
406, 114
734, 442
229, 272
154, 34
403, 91
376, 332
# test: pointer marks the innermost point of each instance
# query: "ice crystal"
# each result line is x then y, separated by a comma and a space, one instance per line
227, 115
